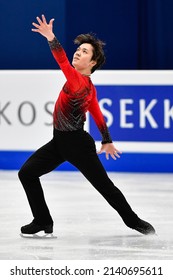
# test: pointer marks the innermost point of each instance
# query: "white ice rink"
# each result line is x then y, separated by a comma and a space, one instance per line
87, 228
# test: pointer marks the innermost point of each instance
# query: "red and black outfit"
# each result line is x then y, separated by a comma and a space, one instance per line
77, 96
71, 143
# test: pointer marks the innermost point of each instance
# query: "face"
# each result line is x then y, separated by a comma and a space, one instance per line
82, 58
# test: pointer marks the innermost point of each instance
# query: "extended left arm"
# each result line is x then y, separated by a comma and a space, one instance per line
107, 145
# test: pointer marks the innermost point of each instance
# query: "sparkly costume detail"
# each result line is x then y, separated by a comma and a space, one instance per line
77, 96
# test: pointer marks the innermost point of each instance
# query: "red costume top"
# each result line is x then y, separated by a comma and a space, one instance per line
77, 96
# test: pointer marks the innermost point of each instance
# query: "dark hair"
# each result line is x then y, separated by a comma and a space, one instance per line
97, 44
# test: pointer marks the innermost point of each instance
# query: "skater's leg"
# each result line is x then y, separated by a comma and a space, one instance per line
92, 169
87, 161
41, 162
84, 157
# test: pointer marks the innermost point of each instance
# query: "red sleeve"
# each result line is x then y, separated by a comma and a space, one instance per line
73, 77
98, 117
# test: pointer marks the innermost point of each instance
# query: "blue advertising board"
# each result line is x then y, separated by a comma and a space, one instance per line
142, 115
136, 113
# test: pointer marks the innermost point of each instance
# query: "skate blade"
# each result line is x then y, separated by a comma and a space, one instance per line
38, 236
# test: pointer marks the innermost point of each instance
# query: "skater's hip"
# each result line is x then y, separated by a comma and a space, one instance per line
78, 140
66, 133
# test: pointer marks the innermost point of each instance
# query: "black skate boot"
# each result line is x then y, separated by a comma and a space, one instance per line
32, 229
144, 227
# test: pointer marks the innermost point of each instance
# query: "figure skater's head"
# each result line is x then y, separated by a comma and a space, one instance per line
94, 48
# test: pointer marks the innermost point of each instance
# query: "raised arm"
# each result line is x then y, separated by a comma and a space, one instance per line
44, 28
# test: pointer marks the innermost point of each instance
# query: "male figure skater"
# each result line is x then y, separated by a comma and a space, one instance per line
70, 142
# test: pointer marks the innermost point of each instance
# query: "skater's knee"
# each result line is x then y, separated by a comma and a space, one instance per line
21, 174
24, 173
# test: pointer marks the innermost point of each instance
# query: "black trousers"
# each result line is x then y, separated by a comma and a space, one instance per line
78, 148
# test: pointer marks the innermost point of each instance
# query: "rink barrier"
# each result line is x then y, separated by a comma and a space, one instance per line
137, 106
129, 162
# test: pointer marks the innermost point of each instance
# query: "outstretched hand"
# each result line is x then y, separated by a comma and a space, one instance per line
110, 149
44, 28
